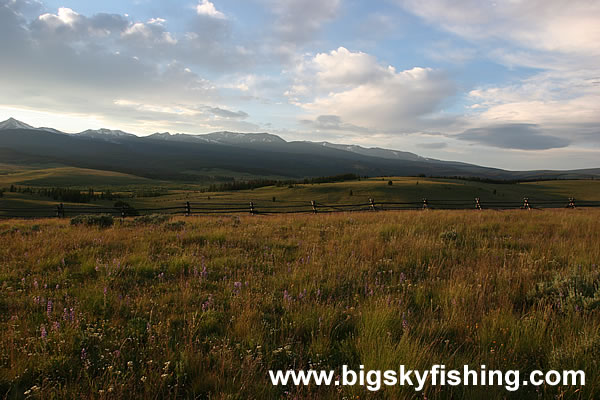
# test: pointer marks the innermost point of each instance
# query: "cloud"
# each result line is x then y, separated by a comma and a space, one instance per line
566, 103
149, 35
293, 25
558, 39
362, 92
332, 123
547, 25
227, 114
109, 66
514, 136
208, 9
67, 26
433, 146
23, 8
299, 20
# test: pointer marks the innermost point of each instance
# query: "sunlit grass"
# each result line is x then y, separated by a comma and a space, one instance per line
203, 308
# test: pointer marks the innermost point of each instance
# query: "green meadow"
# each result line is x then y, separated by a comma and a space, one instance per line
176, 194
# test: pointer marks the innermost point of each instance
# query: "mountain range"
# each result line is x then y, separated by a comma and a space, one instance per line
187, 157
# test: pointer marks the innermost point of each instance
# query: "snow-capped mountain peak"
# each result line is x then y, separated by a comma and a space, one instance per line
99, 133
12, 123
239, 138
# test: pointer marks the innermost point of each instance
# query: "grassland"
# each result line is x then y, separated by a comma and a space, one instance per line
403, 189
203, 307
62, 176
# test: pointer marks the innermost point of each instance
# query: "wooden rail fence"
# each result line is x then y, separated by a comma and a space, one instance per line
266, 207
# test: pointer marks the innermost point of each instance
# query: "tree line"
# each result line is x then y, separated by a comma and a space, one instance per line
258, 183
65, 194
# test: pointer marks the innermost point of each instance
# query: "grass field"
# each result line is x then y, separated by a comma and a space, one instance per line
203, 307
403, 189
69, 177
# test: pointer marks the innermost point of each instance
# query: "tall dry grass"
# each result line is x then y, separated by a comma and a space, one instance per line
204, 307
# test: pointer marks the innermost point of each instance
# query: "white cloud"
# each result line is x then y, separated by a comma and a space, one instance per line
564, 107
149, 34
548, 25
559, 38
116, 69
65, 16
365, 94
208, 9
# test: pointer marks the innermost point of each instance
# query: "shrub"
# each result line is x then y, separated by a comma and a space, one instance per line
126, 208
449, 235
152, 219
102, 220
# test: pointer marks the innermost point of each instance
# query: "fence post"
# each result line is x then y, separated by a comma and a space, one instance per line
252, 208
188, 209
60, 211
425, 204
372, 204
526, 205
477, 203
571, 202
314, 206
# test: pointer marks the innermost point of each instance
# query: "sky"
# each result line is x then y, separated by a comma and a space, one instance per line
513, 84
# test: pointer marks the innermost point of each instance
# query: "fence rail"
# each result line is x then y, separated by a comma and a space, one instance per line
267, 207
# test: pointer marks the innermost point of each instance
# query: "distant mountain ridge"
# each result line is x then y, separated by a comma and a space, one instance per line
220, 137
12, 123
105, 133
187, 157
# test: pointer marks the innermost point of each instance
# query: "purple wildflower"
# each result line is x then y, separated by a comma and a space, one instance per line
237, 286
49, 307
43, 332
302, 295
402, 277
404, 322
207, 304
